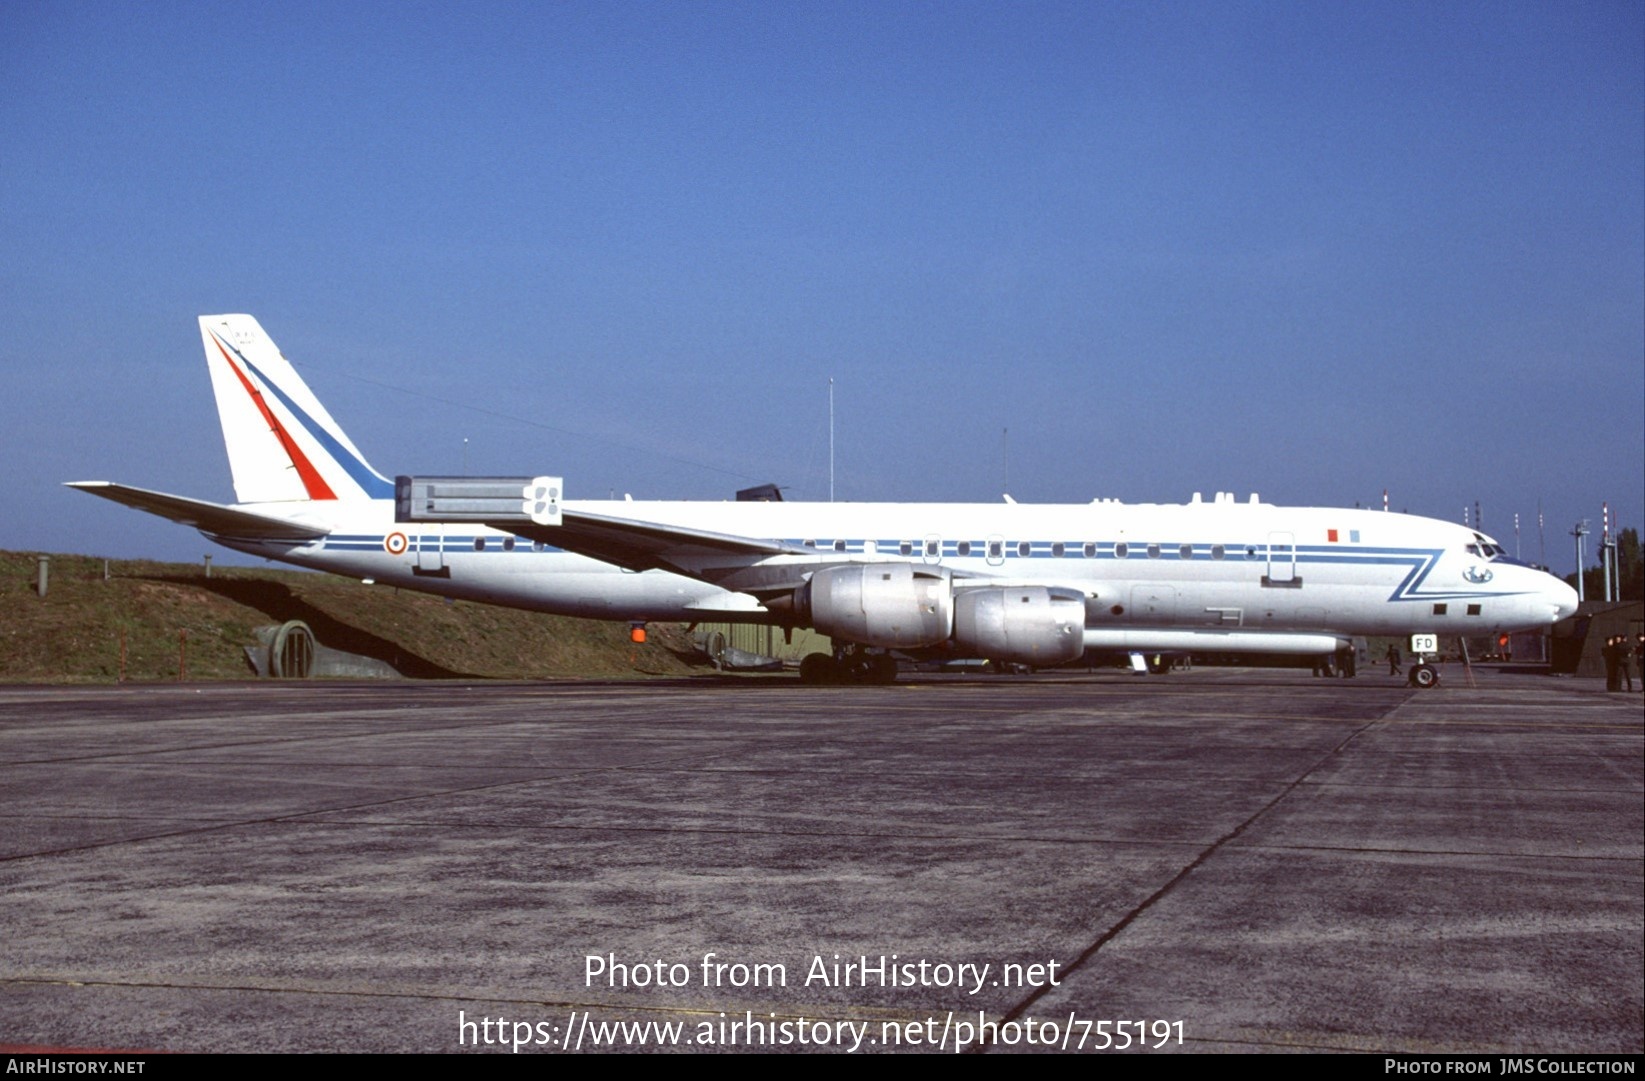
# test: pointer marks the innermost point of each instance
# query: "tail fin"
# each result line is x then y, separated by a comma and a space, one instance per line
282, 444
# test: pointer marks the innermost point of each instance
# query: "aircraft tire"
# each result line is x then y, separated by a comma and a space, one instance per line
1423, 676
862, 669
819, 670
885, 669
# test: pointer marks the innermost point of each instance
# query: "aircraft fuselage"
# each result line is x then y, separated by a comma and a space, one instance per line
1216, 567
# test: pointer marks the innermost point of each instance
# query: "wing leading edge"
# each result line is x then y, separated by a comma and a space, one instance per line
529, 507
640, 545
214, 518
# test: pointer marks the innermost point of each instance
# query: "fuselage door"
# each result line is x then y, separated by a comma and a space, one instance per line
431, 557
1282, 558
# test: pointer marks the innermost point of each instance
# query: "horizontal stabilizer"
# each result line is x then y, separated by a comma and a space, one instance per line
207, 517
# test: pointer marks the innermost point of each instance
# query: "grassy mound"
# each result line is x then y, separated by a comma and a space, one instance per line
168, 615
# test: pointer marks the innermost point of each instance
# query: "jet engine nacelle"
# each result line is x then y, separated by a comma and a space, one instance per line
1036, 625
893, 605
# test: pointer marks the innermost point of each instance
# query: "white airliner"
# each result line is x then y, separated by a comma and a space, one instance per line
1029, 584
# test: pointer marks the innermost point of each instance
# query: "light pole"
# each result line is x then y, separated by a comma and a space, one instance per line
1579, 531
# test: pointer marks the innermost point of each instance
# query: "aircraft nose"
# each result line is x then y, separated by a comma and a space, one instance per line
1563, 598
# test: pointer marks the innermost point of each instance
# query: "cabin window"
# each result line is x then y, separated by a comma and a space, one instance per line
932, 547
905, 548
1217, 551
1153, 551
537, 546
996, 549
1090, 550
839, 546
1473, 609
963, 548
1023, 548
1121, 550
479, 544
1439, 609
508, 544
809, 543
1250, 552
1186, 551
1058, 550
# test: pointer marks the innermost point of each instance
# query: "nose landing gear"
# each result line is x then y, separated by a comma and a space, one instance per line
1423, 675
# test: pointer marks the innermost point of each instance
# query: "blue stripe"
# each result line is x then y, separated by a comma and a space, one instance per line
375, 486
450, 544
1420, 561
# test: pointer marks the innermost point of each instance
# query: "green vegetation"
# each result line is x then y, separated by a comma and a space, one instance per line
164, 613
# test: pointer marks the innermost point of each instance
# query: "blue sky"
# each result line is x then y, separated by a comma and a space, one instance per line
1076, 250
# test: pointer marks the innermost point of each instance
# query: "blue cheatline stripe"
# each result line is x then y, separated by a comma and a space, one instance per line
450, 544
377, 487
1419, 561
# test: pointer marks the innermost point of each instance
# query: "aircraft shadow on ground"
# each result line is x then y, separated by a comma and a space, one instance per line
276, 600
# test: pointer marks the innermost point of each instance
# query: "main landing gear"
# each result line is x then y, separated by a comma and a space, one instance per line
851, 665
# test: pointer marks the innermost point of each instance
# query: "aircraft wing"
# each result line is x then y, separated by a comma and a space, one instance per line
644, 545
640, 545
530, 507
207, 517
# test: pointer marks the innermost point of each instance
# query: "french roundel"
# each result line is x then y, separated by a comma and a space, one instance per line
395, 544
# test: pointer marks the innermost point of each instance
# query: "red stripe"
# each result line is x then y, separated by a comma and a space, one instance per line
312, 481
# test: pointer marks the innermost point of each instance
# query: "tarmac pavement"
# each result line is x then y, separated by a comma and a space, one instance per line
1217, 860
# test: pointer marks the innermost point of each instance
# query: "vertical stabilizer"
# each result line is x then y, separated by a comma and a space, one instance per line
282, 444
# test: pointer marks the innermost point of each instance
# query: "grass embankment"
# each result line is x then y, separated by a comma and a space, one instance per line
74, 633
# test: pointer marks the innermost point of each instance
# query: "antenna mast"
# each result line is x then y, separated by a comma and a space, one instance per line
831, 439
1541, 535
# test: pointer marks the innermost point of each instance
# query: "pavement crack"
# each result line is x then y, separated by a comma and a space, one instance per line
982, 1045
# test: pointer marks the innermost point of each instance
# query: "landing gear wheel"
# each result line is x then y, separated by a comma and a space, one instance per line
819, 670
865, 669
1423, 676
851, 667
885, 669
